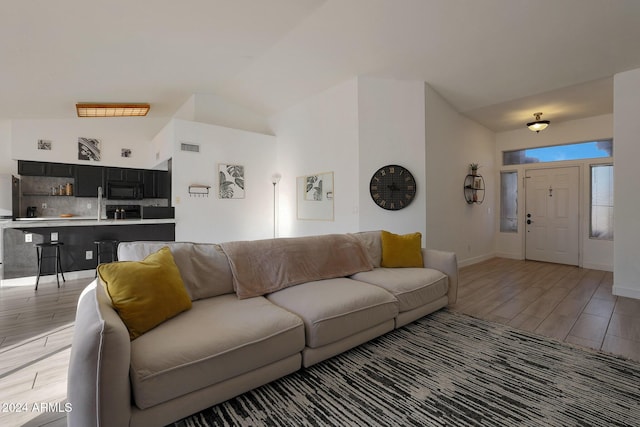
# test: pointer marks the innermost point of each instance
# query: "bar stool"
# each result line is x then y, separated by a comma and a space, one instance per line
112, 245
40, 251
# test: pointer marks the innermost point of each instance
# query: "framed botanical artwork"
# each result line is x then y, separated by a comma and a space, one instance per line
89, 149
315, 197
231, 181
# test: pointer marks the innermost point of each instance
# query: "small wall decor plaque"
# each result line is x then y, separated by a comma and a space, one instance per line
125, 152
231, 181
44, 144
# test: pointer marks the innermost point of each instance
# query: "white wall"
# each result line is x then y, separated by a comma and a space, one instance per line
597, 254
452, 143
319, 135
391, 129
214, 110
626, 129
134, 133
210, 219
162, 145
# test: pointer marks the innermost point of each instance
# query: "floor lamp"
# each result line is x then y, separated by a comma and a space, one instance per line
275, 179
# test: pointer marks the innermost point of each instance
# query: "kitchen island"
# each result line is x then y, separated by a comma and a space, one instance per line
78, 235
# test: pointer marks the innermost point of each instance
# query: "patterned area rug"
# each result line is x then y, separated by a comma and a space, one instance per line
446, 369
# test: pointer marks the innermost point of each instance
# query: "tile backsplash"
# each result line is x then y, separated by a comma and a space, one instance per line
36, 191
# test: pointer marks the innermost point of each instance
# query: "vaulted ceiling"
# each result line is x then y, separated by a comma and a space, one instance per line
496, 61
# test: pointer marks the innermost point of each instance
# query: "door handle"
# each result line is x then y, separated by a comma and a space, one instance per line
529, 221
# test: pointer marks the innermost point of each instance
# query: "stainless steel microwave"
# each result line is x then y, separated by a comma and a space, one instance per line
121, 190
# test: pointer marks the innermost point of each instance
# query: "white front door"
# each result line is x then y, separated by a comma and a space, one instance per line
552, 215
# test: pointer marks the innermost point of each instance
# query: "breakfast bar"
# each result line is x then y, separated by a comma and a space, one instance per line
77, 234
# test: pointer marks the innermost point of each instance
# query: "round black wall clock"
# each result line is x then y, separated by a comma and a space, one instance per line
392, 187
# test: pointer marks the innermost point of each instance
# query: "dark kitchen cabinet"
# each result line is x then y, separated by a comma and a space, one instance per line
156, 184
31, 168
27, 168
61, 170
124, 174
87, 180
163, 185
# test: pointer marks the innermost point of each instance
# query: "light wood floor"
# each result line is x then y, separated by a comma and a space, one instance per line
568, 303
571, 304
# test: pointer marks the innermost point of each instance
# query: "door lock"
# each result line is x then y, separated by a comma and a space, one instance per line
529, 221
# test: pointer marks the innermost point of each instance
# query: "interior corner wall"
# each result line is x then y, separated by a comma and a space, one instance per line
626, 154
452, 143
211, 219
162, 145
391, 127
187, 111
215, 110
319, 135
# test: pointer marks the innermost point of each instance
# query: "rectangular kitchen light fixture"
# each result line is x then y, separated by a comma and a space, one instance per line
112, 109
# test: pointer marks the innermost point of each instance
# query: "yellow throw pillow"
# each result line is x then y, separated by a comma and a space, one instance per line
145, 293
401, 250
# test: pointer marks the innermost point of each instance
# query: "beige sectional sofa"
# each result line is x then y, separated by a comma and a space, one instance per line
260, 310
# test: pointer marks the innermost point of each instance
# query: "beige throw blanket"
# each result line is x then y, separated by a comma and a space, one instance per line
263, 266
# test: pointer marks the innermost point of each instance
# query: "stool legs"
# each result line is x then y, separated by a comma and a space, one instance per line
39, 255
113, 244
58, 264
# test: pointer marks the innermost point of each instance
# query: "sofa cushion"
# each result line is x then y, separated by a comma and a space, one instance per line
333, 309
204, 267
219, 338
260, 267
401, 250
412, 287
145, 293
371, 242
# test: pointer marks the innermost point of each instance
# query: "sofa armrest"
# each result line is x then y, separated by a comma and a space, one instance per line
447, 262
98, 379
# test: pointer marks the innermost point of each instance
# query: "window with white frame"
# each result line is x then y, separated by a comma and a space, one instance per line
509, 202
601, 202
557, 153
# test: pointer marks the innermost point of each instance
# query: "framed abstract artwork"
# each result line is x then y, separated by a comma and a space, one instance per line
89, 149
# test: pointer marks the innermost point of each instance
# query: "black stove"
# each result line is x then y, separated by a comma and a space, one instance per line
123, 211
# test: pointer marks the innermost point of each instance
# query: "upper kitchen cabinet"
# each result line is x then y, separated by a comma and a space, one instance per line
124, 174
31, 168
87, 180
156, 184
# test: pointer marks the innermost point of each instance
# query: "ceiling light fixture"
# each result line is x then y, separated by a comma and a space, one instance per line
112, 110
538, 124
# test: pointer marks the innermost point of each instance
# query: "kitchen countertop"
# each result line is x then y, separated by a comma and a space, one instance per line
76, 221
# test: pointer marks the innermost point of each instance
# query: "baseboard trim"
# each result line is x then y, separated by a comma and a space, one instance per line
475, 260
509, 255
622, 291
602, 267
31, 280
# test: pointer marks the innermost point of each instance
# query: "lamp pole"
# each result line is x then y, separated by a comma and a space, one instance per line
274, 180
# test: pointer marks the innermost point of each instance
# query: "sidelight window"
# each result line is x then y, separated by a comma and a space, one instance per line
601, 202
509, 202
